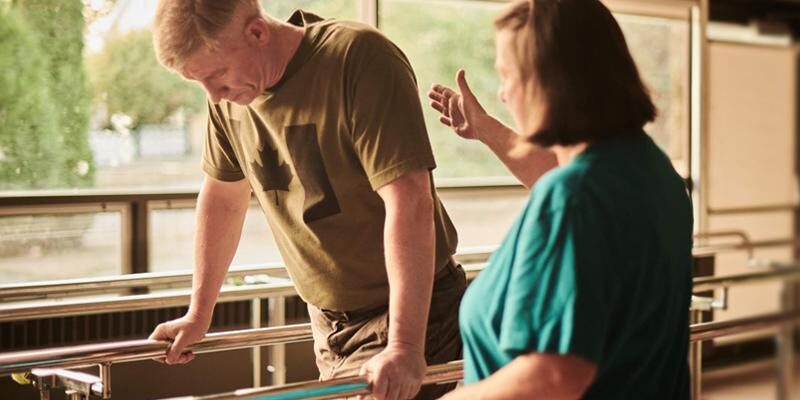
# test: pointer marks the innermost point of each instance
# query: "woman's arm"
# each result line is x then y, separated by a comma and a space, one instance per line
533, 376
465, 115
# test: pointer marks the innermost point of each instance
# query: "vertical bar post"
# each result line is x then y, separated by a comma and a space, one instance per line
105, 378
255, 323
784, 347
44, 393
696, 358
277, 353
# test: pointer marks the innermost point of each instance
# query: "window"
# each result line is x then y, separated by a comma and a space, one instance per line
447, 36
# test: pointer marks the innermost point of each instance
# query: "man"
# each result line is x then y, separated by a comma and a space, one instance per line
322, 121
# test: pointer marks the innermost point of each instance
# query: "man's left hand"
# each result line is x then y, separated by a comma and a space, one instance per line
396, 373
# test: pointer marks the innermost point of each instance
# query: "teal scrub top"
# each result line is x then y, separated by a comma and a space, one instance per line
599, 265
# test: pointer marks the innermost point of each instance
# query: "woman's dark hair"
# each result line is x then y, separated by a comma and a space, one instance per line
577, 55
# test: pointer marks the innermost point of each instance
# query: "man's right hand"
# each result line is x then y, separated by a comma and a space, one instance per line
460, 111
182, 332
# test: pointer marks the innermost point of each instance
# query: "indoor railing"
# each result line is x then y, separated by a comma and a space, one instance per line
48, 365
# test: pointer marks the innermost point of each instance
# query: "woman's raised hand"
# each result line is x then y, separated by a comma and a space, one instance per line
460, 110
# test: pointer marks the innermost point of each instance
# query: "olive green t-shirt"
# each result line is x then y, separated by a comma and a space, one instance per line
344, 121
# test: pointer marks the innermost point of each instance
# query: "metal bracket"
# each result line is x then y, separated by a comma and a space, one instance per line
700, 303
77, 385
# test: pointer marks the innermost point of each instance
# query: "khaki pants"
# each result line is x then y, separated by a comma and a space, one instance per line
344, 341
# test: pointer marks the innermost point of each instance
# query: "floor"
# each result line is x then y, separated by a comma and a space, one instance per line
753, 381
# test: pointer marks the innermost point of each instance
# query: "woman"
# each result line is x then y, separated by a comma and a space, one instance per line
588, 296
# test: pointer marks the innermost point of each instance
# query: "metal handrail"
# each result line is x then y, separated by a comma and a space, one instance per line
712, 330
334, 388
143, 349
452, 372
17, 312
118, 283
137, 350
777, 271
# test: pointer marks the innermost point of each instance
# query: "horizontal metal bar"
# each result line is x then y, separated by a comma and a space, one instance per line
777, 272
769, 208
134, 350
137, 350
712, 330
354, 386
118, 283
80, 306
114, 284
331, 389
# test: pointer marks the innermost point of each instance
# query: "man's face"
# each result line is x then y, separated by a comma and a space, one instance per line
230, 72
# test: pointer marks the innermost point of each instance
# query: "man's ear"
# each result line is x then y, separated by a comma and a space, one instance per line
257, 32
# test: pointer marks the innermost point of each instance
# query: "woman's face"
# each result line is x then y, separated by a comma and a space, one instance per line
516, 92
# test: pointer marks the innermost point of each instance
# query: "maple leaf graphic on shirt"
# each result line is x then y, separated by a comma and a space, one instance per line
273, 175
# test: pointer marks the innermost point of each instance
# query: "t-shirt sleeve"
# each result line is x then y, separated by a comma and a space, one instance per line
384, 111
219, 159
558, 296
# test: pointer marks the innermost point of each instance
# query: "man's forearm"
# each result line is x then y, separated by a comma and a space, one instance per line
409, 243
526, 161
220, 217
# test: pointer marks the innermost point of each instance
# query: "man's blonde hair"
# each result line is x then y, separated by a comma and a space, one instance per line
181, 27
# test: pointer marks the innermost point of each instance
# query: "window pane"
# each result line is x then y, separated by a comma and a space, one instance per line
483, 218
59, 246
439, 37
172, 236
340, 9
660, 48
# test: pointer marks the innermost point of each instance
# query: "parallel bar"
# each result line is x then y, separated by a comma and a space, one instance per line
12, 312
78, 356
119, 283
346, 387
332, 389
136, 350
712, 330
785, 272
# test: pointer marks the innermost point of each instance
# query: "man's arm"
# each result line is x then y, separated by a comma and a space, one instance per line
533, 376
221, 207
409, 243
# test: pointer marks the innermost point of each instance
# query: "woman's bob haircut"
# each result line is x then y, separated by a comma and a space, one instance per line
576, 55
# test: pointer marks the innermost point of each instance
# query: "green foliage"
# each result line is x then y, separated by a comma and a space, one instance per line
127, 79
340, 9
59, 26
439, 41
29, 140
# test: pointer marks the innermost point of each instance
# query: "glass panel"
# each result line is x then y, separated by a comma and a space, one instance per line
341, 9
483, 219
660, 48
172, 236
59, 246
460, 35
447, 36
